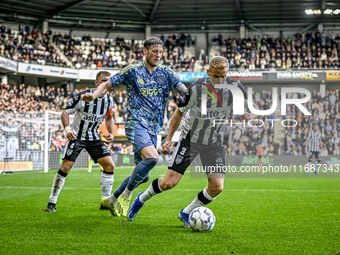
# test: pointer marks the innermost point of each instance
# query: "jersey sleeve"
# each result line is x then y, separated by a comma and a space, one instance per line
173, 79
111, 105
73, 105
188, 100
122, 77
241, 87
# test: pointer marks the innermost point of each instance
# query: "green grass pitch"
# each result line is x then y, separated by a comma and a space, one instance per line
253, 216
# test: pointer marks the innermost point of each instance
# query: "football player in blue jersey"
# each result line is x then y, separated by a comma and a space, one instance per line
148, 85
199, 136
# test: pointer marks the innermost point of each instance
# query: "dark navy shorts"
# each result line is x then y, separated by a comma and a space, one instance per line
140, 139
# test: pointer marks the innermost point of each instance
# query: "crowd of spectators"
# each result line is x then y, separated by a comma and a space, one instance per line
26, 45
303, 50
326, 114
243, 139
28, 103
88, 52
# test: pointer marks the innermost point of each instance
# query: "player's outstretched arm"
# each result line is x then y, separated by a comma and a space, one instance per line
65, 119
174, 123
100, 91
250, 116
110, 127
182, 89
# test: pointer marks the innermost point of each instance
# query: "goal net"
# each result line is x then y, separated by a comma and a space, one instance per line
21, 141
31, 141
55, 141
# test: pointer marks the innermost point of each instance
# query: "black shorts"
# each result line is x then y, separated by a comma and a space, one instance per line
186, 152
97, 149
315, 153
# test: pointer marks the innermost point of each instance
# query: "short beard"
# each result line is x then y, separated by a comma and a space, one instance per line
150, 63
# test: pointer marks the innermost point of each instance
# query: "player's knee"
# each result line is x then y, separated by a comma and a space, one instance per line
216, 190
167, 184
109, 168
66, 168
150, 161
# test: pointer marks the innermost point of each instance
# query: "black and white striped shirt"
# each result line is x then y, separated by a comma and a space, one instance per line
202, 129
88, 116
314, 140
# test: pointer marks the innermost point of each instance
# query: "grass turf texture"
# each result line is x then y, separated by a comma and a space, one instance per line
253, 216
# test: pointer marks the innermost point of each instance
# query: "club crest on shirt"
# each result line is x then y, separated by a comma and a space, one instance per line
179, 159
160, 79
145, 140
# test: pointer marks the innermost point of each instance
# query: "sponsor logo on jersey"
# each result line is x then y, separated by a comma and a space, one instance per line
92, 118
150, 92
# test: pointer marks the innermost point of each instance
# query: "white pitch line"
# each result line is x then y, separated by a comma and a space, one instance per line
226, 190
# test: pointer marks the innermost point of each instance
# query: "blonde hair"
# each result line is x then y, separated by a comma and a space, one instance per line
218, 62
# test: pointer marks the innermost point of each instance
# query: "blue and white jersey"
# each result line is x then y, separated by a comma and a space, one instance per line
147, 94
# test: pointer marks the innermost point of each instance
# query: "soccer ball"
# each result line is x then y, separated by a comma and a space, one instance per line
202, 219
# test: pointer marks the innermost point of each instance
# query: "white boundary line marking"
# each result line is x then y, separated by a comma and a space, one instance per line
226, 190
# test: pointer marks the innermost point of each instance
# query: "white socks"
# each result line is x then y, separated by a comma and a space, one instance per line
106, 183
111, 200
202, 199
309, 167
150, 192
127, 193
58, 183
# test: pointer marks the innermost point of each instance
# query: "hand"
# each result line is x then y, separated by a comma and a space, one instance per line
109, 138
246, 116
87, 97
70, 134
166, 147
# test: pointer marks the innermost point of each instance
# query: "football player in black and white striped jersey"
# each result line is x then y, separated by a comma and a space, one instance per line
199, 136
314, 142
83, 134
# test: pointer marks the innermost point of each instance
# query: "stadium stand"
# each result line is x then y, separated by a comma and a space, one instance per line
29, 46
30, 102
326, 114
303, 50
310, 50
